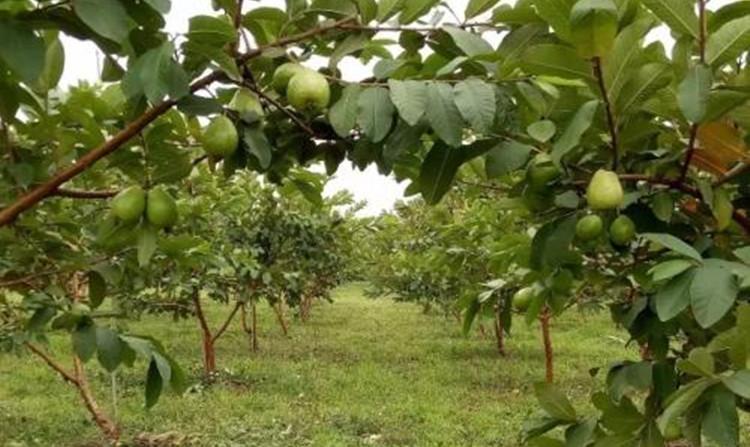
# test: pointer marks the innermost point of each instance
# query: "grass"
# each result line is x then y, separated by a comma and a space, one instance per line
360, 372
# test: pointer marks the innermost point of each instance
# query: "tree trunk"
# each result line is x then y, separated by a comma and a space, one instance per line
499, 334
250, 330
548, 352
209, 353
279, 309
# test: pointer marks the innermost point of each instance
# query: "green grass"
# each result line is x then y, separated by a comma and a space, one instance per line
360, 372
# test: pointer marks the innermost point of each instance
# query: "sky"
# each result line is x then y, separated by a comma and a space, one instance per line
378, 191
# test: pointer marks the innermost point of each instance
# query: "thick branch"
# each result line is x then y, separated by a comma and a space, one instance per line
52, 363
48, 188
224, 326
611, 122
83, 194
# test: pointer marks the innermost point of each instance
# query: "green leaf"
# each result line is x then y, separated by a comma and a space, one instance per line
375, 113
647, 81
147, 243
109, 348
54, 64
414, 9
674, 244
726, 44
723, 209
556, 13
351, 44
475, 100
581, 434
713, 292
669, 269
22, 50
554, 402
693, 93
213, 31
343, 114
410, 99
679, 15
84, 340
555, 60
470, 43
470, 314
154, 384
577, 126
739, 383
699, 363
542, 131
443, 114
476, 7
550, 247
258, 144
506, 157
674, 297
624, 57
388, 9
663, 206
720, 420
97, 288
156, 75
440, 167
108, 18
679, 402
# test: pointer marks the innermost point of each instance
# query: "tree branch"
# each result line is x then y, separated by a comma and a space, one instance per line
297, 120
611, 122
48, 188
224, 326
83, 194
67, 376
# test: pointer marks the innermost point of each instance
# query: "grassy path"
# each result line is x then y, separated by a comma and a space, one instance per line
361, 372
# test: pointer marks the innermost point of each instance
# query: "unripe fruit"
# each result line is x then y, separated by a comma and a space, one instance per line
309, 91
245, 103
129, 204
220, 137
80, 309
589, 228
284, 74
622, 231
673, 432
605, 191
541, 172
161, 209
522, 299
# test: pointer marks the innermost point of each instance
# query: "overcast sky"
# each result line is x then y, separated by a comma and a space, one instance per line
380, 192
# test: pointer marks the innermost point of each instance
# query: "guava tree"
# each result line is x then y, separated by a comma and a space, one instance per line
574, 85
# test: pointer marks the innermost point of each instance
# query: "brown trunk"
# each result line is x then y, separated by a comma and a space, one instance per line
250, 330
548, 353
209, 353
482, 331
279, 309
499, 335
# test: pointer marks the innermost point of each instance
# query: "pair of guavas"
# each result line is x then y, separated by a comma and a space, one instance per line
157, 205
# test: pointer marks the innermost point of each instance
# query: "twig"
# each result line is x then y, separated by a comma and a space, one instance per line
224, 326
83, 194
297, 120
611, 122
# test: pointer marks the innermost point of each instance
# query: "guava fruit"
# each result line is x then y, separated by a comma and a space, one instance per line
220, 138
673, 432
541, 172
622, 231
309, 92
605, 191
246, 103
589, 227
522, 299
161, 209
129, 204
284, 74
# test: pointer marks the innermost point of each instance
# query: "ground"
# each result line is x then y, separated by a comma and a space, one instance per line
360, 372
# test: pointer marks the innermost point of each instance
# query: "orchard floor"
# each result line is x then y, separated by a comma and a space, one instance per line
360, 372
